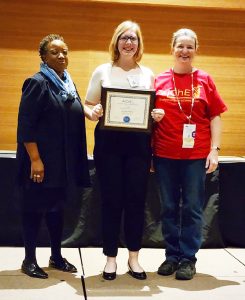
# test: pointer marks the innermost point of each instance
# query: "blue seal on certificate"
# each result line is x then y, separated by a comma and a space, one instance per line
126, 119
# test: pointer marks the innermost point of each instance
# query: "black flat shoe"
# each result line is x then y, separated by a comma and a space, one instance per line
62, 265
137, 275
33, 270
109, 276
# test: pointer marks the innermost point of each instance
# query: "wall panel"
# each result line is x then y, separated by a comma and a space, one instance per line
87, 27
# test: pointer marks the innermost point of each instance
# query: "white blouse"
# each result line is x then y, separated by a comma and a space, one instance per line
108, 75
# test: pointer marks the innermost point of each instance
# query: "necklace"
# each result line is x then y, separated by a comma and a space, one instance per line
192, 96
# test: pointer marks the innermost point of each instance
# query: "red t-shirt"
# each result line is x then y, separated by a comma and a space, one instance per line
167, 134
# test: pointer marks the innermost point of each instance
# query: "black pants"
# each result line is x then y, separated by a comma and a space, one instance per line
123, 183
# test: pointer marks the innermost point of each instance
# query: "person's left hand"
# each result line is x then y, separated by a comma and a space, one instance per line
212, 161
37, 170
157, 114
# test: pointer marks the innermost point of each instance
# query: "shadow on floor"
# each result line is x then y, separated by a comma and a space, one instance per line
124, 285
15, 279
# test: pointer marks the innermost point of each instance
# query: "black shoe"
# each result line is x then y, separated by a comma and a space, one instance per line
33, 270
186, 270
109, 276
168, 267
136, 275
62, 265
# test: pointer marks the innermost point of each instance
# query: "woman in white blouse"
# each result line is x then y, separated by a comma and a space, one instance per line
122, 159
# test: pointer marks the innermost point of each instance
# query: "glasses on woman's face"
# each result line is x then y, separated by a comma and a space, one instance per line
125, 38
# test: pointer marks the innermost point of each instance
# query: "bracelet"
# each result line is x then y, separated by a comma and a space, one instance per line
215, 148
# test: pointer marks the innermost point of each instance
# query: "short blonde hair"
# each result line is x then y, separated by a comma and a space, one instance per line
121, 28
184, 32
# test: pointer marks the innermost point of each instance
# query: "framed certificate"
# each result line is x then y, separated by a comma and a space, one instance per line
127, 109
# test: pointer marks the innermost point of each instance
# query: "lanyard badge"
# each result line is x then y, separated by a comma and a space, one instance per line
189, 131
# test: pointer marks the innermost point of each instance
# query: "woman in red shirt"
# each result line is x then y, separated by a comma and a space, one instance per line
185, 145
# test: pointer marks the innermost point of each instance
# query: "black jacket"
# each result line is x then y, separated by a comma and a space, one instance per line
58, 128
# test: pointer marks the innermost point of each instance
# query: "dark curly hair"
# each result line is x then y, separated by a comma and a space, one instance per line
46, 40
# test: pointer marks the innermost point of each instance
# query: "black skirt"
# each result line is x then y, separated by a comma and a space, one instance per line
37, 198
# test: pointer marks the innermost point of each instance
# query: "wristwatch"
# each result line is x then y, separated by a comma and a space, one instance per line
215, 148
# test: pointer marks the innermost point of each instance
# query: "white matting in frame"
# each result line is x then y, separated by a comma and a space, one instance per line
127, 109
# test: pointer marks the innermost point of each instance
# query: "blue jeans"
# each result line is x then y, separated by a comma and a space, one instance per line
182, 189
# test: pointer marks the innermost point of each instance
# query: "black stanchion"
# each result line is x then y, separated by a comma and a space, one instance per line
82, 276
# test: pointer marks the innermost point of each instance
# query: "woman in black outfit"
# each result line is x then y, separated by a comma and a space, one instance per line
51, 152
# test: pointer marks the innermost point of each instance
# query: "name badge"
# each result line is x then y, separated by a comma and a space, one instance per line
134, 80
189, 132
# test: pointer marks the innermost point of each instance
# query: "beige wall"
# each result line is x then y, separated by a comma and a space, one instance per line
87, 27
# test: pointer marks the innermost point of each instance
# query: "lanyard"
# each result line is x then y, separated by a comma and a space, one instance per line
192, 96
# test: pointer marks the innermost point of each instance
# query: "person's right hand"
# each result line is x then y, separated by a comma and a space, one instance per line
37, 171
97, 112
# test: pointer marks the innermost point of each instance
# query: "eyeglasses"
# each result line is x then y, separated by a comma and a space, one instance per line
133, 39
